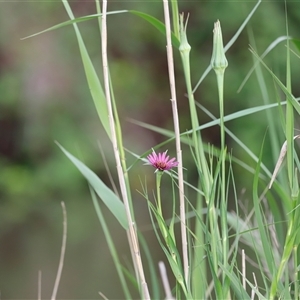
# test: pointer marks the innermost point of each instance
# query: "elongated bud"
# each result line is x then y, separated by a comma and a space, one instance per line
218, 59
184, 45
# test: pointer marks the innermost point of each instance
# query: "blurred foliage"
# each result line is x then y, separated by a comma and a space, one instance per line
44, 97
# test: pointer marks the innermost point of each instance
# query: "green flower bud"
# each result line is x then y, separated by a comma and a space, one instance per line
184, 45
218, 59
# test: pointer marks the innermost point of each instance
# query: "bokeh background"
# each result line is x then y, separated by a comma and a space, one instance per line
44, 98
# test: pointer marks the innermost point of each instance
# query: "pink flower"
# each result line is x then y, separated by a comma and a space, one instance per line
161, 161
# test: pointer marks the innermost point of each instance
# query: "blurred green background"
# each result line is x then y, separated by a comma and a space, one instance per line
44, 98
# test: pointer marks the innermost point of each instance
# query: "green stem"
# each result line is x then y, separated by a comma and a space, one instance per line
289, 246
289, 117
158, 199
196, 136
219, 64
171, 72
295, 279
159, 175
223, 208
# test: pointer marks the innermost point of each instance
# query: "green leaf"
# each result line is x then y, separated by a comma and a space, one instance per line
289, 96
261, 219
74, 21
113, 203
91, 76
95, 87
158, 25
111, 245
153, 21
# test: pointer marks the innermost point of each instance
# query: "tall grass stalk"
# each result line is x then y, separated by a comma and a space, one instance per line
118, 130
202, 166
204, 180
291, 243
289, 130
177, 130
219, 64
133, 242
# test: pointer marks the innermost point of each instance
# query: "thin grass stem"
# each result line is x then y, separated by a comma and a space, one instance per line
177, 132
132, 232
196, 136
244, 268
165, 281
295, 277
219, 64
62, 253
40, 285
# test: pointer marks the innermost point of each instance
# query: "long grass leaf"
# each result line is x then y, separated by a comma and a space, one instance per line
113, 203
265, 239
268, 50
288, 94
91, 75
230, 117
73, 21
158, 25
150, 19
111, 245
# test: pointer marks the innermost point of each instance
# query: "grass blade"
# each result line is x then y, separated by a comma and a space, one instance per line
91, 76
113, 203
111, 245
265, 238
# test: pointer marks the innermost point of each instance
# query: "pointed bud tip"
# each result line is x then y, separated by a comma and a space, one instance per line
218, 59
184, 45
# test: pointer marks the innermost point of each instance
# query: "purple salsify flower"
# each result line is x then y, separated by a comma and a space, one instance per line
161, 161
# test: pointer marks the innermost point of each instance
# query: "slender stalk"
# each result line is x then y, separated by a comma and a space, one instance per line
159, 175
205, 179
288, 248
289, 245
158, 198
118, 131
121, 148
165, 280
295, 278
132, 232
184, 50
223, 205
177, 139
62, 253
289, 131
40, 285
219, 64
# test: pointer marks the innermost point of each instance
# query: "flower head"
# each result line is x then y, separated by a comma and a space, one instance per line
218, 60
161, 161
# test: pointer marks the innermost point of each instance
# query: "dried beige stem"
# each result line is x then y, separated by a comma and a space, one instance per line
62, 252
177, 138
133, 242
